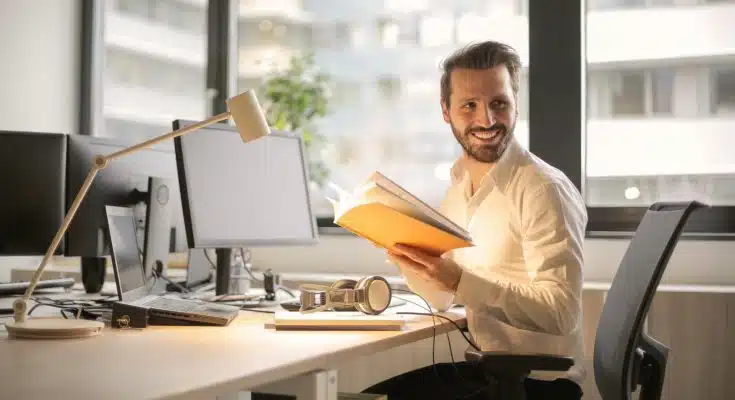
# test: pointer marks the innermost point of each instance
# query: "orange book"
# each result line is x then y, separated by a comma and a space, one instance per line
384, 213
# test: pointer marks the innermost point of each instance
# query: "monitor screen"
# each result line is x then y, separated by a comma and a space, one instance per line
33, 184
237, 194
126, 258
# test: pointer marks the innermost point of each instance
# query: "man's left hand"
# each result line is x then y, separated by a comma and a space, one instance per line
442, 272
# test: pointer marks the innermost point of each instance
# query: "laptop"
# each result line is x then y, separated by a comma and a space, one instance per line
136, 289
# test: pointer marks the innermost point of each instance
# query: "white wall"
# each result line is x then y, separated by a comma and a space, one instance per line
39, 72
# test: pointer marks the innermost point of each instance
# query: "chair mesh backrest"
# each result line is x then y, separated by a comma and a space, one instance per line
631, 293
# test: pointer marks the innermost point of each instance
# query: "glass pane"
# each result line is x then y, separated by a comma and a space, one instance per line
155, 72
661, 102
382, 62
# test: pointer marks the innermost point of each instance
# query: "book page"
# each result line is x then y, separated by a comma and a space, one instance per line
347, 200
420, 210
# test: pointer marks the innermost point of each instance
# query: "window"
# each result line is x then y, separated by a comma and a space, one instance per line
649, 135
630, 93
154, 66
724, 92
662, 91
382, 59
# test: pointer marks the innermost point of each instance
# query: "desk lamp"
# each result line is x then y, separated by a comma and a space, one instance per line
251, 124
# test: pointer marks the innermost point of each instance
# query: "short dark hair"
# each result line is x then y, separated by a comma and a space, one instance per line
481, 55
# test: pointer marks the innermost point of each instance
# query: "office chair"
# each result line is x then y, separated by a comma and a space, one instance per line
625, 357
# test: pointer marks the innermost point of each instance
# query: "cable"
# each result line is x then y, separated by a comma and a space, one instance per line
78, 307
258, 311
211, 263
246, 260
449, 342
157, 274
433, 339
467, 339
431, 313
290, 293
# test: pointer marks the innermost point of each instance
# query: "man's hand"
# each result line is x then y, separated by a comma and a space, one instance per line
442, 272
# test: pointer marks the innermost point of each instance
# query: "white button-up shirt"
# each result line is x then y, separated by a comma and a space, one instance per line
522, 280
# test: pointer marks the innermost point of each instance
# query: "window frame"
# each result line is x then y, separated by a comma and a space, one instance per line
221, 60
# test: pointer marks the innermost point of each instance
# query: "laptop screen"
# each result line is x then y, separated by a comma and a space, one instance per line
125, 253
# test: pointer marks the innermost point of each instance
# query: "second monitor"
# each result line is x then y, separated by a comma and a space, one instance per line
237, 195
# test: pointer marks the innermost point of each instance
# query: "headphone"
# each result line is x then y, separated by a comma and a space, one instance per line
369, 295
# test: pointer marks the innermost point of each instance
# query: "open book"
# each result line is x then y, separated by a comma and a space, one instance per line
386, 214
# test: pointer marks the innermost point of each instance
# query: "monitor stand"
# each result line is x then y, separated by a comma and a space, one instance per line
224, 270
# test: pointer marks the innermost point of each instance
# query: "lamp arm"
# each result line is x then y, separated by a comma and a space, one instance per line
171, 135
20, 306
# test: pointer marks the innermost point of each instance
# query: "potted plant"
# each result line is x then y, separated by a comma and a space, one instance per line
293, 98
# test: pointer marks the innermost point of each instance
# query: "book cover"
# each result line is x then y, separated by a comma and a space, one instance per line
386, 214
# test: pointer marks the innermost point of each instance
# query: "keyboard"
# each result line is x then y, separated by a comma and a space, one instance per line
19, 287
168, 304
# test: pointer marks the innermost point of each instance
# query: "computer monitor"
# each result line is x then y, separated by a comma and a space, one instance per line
124, 182
32, 181
238, 195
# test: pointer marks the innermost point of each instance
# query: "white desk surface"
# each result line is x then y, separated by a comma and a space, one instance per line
187, 362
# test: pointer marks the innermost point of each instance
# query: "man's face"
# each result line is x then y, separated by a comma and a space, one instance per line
482, 111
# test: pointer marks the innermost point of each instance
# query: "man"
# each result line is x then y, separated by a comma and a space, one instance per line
521, 282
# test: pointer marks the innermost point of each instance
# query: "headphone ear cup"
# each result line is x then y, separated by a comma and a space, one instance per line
378, 295
344, 284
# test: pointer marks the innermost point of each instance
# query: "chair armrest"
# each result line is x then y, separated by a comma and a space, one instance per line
516, 364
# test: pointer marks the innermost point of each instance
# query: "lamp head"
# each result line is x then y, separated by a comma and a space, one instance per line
248, 116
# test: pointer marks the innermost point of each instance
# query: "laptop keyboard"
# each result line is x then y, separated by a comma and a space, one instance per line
168, 304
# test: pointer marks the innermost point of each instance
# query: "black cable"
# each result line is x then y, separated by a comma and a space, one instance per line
290, 293
467, 339
77, 307
430, 313
258, 311
449, 341
157, 274
211, 263
433, 337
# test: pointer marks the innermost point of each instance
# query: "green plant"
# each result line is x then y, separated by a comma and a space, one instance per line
293, 99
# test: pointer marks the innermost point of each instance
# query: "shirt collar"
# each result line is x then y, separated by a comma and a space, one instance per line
500, 173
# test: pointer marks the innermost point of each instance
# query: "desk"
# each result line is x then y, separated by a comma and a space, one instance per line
188, 362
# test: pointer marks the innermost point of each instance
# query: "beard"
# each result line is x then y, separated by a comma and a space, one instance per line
484, 144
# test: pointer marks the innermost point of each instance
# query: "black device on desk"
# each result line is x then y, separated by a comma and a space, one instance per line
136, 289
237, 195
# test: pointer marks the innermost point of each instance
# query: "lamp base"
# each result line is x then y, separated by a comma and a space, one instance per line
53, 328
